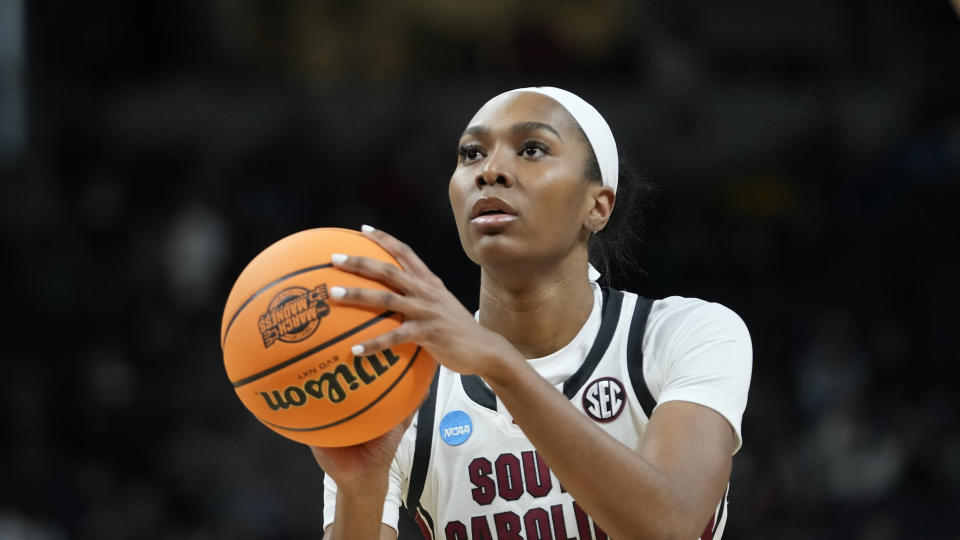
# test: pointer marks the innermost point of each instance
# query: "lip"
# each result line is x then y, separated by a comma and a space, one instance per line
493, 223
487, 204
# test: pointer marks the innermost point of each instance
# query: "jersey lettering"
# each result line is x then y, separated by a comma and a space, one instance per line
508, 526
537, 476
456, 531
509, 477
480, 527
583, 524
536, 524
485, 490
559, 524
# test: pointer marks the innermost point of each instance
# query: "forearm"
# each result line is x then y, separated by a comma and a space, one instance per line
358, 515
622, 491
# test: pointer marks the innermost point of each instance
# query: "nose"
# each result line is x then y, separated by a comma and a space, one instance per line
495, 170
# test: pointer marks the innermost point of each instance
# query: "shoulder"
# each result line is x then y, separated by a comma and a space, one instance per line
682, 318
699, 352
689, 340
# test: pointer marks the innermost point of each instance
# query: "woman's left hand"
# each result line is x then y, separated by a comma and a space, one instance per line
432, 317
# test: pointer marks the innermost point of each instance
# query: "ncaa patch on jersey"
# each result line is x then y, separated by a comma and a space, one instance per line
455, 428
604, 398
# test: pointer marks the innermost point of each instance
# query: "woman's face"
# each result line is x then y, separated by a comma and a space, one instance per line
518, 192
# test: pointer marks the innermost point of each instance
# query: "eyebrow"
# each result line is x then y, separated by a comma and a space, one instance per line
519, 127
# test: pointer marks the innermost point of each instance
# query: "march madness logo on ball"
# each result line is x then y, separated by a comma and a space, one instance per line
603, 399
293, 315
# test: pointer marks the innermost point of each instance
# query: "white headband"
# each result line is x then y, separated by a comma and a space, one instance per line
593, 125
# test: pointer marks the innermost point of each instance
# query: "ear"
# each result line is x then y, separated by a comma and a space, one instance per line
603, 199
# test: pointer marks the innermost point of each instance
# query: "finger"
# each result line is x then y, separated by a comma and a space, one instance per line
401, 334
387, 300
404, 254
381, 271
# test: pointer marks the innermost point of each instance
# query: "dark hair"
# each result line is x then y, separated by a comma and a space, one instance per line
612, 249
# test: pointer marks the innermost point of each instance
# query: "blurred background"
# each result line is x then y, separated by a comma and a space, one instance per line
807, 156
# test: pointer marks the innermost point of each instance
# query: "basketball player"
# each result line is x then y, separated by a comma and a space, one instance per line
561, 409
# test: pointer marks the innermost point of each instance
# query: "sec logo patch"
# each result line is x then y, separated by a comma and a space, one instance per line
604, 398
455, 428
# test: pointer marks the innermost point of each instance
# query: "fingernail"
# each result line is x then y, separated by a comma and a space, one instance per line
357, 350
367, 228
338, 258
337, 292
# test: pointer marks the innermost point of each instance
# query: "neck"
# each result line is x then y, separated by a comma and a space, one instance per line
539, 310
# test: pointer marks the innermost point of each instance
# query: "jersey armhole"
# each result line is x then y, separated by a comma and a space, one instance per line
638, 327
421, 452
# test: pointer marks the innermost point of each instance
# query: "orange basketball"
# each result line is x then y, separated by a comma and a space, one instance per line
286, 346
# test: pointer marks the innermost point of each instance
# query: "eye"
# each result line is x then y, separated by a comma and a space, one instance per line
469, 152
533, 150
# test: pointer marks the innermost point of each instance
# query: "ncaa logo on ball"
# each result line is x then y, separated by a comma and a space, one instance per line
455, 428
604, 398
293, 315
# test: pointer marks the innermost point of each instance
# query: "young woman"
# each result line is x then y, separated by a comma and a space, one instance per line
560, 408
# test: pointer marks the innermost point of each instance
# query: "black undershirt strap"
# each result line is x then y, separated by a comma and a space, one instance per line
421, 453
638, 327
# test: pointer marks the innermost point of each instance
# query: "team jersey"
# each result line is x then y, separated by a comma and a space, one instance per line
464, 470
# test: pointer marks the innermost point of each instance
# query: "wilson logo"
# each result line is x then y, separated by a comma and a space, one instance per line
293, 315
333, 385
604, 398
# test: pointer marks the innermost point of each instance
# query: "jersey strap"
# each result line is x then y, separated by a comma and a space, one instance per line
482, 395
613, 300
479, 392
635, 355
421, 452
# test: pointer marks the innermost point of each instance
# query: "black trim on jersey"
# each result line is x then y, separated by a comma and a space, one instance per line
421, 452
722, 506
478, 391
612, 300
638, 327
428, 519
482, 395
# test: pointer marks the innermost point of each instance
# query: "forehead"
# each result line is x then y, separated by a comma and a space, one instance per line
509, 109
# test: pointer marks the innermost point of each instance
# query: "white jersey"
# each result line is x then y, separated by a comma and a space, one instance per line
465, 471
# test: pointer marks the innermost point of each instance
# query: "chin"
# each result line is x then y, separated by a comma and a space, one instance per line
498, 249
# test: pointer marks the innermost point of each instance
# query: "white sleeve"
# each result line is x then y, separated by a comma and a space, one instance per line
396, 486
700, 352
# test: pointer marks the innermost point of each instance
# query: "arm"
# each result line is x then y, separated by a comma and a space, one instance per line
666, 490
356, 487
699, 358
358, 516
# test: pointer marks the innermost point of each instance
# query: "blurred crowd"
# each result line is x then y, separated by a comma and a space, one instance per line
807, 158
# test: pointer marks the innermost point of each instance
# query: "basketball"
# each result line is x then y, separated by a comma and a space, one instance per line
286, 345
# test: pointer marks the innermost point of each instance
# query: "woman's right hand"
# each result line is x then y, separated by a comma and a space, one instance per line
358, 467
